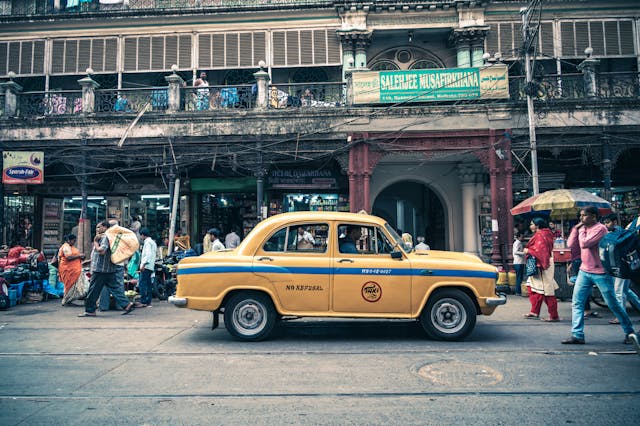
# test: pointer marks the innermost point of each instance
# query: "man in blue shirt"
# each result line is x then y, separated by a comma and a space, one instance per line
348, 243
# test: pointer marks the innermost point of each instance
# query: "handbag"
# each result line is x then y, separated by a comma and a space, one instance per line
54, 260
530, 267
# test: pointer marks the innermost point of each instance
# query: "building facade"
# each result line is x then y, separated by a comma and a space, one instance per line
108, 91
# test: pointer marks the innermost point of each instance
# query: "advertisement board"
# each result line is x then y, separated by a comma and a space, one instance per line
430, 85
22, 167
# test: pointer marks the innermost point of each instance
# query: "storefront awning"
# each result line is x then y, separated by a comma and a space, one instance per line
239, 184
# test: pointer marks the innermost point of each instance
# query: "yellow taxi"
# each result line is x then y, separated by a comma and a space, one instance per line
326, 264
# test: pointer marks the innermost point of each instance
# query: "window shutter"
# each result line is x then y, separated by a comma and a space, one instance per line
596, 31
231, 45
4, 47
157, 53
184, 51
204, 51
506, 40
170, 52
279, 48
568, 39
582, 37
144, 53
246, 50
320, 47
611, 38
491, 44
334, 48
97, 55
84, 55
218, 51
26, 57
293, 48
626, 38
546, 39
71, 56
110, 55
306, 48
259, 47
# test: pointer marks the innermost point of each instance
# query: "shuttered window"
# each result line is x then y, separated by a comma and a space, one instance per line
157, 53
607, 38
305, 47
506, 38
74, 56
22, 57
231, 50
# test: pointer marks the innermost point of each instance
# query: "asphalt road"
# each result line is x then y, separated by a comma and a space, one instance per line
164, 365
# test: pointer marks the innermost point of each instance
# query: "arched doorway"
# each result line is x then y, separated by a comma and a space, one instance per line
414, 208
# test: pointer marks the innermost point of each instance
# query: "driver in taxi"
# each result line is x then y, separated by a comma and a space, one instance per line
348, 243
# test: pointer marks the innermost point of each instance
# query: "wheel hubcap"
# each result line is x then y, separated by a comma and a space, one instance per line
448, 316
249, 316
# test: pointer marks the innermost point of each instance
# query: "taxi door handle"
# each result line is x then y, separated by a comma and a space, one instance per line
345, 261
426, 272
270, 259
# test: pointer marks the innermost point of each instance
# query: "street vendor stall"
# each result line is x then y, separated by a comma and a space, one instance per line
561, 204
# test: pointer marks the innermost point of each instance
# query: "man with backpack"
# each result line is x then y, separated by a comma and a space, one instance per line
587, 234
621, 285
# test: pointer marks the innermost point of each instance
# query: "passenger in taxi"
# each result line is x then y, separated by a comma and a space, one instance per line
304, 239
348, 243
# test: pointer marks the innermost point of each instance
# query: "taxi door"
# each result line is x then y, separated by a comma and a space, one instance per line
300, 274
371, 281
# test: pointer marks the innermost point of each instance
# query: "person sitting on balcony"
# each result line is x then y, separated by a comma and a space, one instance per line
306, 99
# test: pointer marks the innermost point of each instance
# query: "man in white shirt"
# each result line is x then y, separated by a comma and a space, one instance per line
216, 244
232, 240
147, 266
304, 239
421, 244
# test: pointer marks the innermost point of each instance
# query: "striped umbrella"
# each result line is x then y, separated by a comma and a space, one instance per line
561, 203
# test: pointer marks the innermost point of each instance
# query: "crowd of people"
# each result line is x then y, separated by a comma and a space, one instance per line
534, 262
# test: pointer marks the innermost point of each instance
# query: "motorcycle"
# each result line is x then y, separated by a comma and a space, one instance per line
165, 282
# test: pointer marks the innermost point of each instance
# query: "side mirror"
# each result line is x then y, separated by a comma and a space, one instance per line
396, 255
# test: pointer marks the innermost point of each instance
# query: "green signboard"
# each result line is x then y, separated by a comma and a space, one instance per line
430, 85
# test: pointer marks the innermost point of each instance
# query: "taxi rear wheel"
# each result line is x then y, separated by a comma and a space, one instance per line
449, 315
249, 316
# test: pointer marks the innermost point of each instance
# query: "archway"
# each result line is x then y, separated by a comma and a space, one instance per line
414, 208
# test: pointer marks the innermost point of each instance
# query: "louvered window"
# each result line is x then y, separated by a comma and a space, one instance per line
22, 57
607, 38
231, 50
305, 47
157, 53
74, 56
506, 38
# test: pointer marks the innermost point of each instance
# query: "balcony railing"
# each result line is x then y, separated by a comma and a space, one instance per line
59, 102
42, 7
302, 96
132, 100
217, 97
572, 86
307, 95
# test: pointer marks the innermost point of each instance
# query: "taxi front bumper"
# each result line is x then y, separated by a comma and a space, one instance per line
496, 301
178, 301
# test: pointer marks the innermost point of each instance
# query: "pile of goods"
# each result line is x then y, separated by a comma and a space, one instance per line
25, 272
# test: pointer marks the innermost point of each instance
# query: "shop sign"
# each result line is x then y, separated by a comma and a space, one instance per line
430, 85
302, 179
22, 167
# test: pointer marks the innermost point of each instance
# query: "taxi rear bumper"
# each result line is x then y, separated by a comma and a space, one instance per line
496, 301
178, 301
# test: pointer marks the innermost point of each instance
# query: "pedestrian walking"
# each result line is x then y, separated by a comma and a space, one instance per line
103, 275
518, 261
147, 266
587, 234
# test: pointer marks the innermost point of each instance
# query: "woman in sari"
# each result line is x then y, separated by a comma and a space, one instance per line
542, 285
70, 270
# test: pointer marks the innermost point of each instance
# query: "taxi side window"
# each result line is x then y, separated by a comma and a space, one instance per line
303, 238
363, 240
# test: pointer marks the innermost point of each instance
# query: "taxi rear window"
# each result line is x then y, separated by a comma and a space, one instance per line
301, 238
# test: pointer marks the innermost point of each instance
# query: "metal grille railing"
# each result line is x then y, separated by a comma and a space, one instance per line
307, 95
59, 102
41, 7
217, 97
132, 100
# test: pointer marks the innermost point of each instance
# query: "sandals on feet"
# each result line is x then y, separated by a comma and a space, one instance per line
551, 319
530, 316
87, 314
127, 309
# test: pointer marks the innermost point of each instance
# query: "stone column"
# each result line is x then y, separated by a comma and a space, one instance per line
469, 44
350, 40
175, 86
262, 82
89, 87
11, 91
362, 43
467, 174
589, 69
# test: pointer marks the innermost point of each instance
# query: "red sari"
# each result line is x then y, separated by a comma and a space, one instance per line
541, 247
69, 270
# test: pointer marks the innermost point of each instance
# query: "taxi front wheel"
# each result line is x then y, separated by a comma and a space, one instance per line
449, 315
249, 316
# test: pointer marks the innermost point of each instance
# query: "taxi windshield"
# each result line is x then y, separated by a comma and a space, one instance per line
396, 238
